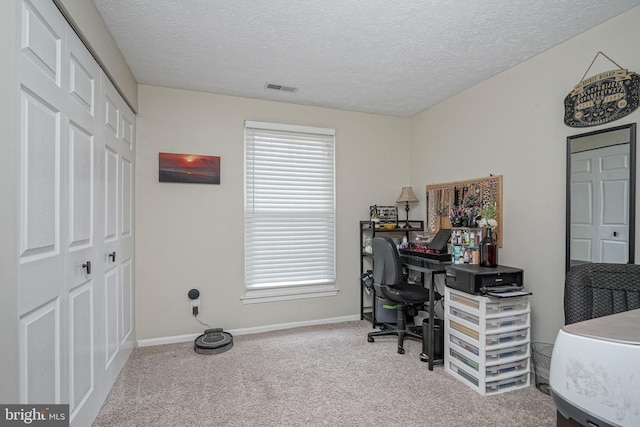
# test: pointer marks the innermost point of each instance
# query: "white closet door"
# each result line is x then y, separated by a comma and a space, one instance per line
76, 215
118, 127
126, 212
600, 205
42, 303
84, 244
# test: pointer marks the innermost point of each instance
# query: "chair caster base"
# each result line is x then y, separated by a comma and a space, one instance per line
424, 357
400, 350
370, 339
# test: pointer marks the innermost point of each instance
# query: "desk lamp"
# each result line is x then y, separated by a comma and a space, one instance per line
407, 196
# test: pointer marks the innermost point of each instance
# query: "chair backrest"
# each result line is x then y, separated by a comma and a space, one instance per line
387, 268
599, 289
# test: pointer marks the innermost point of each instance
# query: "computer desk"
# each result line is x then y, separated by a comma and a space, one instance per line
431, 267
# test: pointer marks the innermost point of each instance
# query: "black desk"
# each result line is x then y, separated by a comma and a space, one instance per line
431, 267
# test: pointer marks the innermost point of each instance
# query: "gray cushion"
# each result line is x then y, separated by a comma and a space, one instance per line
600, 289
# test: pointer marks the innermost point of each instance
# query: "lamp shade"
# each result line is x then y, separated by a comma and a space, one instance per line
407, 195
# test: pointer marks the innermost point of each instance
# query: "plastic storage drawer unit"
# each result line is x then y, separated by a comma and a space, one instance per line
487, 341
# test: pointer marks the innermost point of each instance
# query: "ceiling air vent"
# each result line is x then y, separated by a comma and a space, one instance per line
281, 88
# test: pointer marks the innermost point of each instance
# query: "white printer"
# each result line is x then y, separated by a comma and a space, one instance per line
595, 371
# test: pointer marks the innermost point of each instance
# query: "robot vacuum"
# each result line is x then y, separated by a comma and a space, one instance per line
213, 341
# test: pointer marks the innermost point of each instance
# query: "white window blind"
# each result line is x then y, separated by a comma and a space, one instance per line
289, 208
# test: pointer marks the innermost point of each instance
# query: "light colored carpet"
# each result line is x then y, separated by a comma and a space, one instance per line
326, 375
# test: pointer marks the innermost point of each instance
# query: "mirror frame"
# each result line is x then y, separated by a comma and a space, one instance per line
632, 190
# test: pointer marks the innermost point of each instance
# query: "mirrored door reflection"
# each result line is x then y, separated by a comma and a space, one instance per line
601, 196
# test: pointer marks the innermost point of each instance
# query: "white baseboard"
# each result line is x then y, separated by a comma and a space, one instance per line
167, 340
245, 331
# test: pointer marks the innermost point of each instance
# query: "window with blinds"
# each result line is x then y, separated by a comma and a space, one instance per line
289, 241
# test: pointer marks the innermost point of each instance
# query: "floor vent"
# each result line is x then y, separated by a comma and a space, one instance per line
281, 88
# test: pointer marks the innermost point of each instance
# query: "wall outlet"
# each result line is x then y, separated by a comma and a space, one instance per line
195, 305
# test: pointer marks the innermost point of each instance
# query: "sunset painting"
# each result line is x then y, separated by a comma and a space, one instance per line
189, 168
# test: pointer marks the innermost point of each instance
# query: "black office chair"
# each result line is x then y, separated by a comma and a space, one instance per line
600, 289
389, 284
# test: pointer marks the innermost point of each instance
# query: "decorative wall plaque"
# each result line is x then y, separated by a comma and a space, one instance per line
602, 98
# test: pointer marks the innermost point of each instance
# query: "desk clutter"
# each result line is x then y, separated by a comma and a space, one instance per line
437, 248
459, 245
483, 337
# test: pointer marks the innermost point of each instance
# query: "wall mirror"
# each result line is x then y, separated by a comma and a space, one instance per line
601, 196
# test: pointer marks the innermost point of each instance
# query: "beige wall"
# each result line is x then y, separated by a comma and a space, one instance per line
8, 212
86, 20
512, 125
191, 235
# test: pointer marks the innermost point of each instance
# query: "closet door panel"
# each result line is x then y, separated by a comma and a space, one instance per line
41, 42
111, 116
111, 159
83, 81
128, 130
82, 188
126, 312
126, 212
41, 203
40, 341
111, 321
39, 177
82, 384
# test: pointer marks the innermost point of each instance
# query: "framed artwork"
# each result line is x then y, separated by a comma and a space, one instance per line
188, 168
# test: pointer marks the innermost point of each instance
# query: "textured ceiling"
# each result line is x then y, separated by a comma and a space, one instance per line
377, 56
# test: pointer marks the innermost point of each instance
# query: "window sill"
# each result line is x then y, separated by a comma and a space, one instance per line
255, 296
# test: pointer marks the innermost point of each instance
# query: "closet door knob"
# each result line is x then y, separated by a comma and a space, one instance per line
112, 255
87, 266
